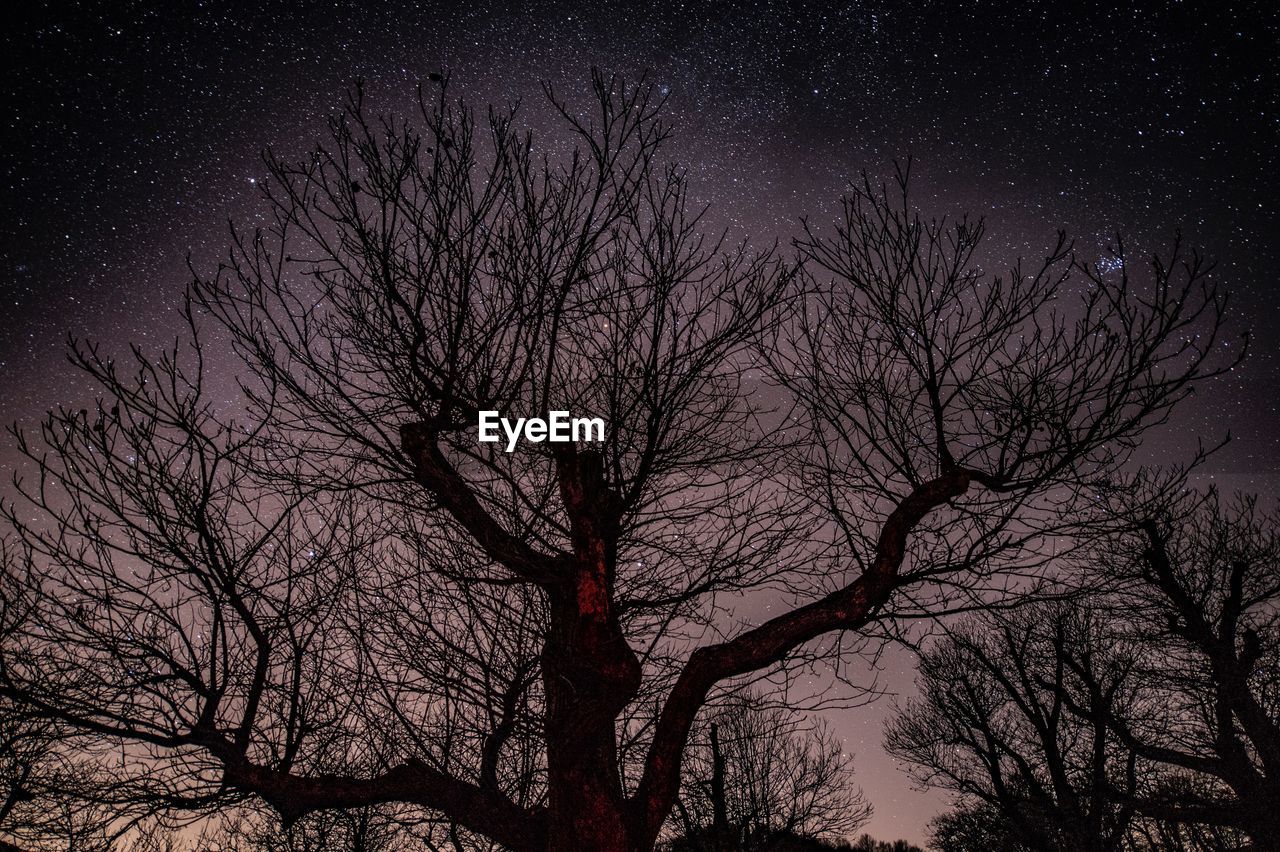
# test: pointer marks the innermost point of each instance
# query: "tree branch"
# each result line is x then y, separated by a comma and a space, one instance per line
845, 609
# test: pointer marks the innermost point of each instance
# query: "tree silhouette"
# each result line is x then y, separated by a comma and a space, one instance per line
975, 827
1199, 586
326, 594
757, 773
1141, 715
992, 724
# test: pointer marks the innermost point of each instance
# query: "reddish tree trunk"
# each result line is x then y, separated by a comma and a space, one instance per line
588, 682
590, 673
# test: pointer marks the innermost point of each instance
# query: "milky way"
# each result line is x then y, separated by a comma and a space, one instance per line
133, 134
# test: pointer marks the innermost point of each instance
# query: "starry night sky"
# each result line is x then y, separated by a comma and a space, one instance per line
133, 131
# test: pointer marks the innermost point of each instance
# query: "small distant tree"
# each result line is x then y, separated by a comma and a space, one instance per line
975, 826
757, 773
327, 595
867, 843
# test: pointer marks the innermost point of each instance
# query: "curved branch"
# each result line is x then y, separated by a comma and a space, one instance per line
845, 609
433, 471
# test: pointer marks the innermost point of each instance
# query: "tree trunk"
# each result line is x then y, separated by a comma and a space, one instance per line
589, 677
590, 673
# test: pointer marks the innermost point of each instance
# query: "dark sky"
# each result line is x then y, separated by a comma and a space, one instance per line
132, 133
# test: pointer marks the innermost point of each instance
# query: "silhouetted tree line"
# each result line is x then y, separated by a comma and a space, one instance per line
792, 842
322, 614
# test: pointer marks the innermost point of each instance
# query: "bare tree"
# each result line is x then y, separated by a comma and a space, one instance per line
1140, 718
758, 774
867, 843
329, 595
975, 826
1197, 585
993, 725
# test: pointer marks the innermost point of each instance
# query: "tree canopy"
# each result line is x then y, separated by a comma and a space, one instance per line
330, 595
